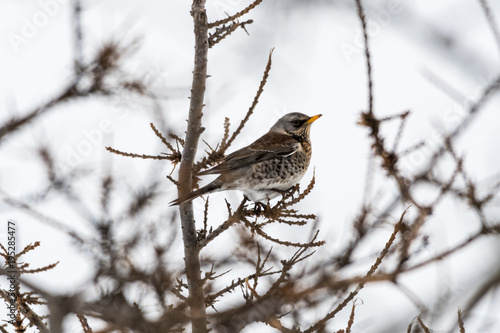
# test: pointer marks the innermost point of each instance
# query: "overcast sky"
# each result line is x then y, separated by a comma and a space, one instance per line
318, 67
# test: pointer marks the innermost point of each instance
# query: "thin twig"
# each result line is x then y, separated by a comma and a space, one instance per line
425, 328
235, 16
218, 154
224, 31
254, 103
491, 21
162, 138
361, 15
373, 268
460, 321
143, 156
78, 42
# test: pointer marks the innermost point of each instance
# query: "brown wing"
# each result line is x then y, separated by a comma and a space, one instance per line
269, 146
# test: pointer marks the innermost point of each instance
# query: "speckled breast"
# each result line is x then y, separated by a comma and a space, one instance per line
283, 172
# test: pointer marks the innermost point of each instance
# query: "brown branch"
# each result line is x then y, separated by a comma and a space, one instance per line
441, 256
302, 195
143, 156
85, 324
177, 138
351, 318
218, 154
224, 31
33, 318
490, 284
254, 103
361, 285
191, 249
473, 110
104, 63
239, 282
225, 137
42, 218
27, 312
78, 39
235, 16
236, 318
38, 270
491, 21
202, 234
403, 117
460, 321
175, 182
232, 219
276, 323
361, 15
258, 230
16, 123
425, 328
162, 138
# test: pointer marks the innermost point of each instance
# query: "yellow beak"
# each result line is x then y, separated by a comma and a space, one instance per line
313, 119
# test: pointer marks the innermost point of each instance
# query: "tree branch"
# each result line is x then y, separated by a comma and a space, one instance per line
192, 261
235, 16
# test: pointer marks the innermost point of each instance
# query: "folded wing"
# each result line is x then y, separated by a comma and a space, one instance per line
268, 146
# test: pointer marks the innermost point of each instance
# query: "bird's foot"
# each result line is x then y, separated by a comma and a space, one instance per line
284, 193
290, 190
261, 208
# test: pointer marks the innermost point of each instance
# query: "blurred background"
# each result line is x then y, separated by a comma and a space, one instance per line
431, 58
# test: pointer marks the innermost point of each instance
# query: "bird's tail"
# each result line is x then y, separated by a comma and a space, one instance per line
209, 188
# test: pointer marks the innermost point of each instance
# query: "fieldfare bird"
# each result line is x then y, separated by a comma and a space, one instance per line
268, 167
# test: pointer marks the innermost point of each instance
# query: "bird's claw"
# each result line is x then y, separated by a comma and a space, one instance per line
260, 208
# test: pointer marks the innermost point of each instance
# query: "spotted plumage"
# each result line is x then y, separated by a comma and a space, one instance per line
269, 166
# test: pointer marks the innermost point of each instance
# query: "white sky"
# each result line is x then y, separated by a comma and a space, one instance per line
318, 67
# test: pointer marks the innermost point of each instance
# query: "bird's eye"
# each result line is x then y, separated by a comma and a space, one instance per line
296, 123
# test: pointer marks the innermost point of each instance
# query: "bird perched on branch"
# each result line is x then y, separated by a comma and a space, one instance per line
266, 168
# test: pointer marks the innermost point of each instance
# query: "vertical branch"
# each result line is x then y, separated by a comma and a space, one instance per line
491, 21
370, 166
77, 18
361, 15
193, 132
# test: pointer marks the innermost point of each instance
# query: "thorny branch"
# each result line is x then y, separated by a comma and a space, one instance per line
225, 30
193, 132
104, 65
235, 16
218, 154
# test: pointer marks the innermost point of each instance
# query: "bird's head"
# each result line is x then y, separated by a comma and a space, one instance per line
296, 124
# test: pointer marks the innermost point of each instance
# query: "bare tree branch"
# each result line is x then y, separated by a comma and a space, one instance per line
194, 130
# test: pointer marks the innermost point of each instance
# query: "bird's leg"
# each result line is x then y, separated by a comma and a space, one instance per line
284, 192
245, 201
267, 208
259, 208
291, 189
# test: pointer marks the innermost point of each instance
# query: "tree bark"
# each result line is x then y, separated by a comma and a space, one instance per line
194, 130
